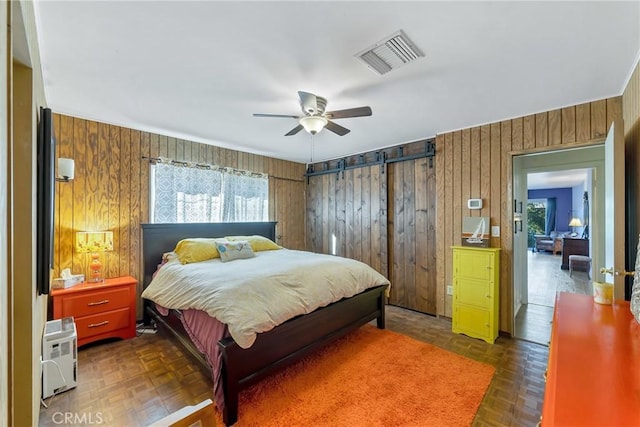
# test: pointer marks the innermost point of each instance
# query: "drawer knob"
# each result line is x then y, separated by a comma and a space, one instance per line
104, 301
95, 325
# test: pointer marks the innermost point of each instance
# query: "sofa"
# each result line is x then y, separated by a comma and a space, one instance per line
551, 242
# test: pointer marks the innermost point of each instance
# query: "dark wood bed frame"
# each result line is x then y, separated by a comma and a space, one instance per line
272, 350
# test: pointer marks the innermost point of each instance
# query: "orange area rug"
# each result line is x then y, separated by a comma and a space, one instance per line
370, 377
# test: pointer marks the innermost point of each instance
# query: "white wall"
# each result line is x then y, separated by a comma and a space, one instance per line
577, 193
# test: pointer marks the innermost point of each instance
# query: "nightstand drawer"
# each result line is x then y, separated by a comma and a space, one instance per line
102, 323
84, 304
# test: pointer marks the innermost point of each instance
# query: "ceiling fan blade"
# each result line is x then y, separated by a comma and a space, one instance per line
275, 115
336, 128
350, 112
294, 130
308, 102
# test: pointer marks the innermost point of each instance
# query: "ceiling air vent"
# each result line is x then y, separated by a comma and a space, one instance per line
390, 53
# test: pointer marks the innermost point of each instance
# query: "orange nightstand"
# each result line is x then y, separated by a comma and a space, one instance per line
101, 310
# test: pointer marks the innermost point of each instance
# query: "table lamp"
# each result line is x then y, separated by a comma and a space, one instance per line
575, 222
94, 242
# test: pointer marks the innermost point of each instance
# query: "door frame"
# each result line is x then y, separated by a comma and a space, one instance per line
583, 157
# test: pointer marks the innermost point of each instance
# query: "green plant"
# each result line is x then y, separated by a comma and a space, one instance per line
536, 213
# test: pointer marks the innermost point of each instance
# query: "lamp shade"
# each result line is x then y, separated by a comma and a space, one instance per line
66, 169
94, 241
575, 222
313, 124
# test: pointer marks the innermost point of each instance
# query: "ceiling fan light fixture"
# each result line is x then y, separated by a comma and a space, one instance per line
313, 124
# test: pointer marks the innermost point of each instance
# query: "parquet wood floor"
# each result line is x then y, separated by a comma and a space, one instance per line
546, 279
138, 381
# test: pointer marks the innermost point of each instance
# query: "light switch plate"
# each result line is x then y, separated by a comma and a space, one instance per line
495, 231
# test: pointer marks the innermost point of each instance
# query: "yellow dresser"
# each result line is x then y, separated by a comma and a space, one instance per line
475, 292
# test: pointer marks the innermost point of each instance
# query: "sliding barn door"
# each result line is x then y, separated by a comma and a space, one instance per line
347, 215
412, 202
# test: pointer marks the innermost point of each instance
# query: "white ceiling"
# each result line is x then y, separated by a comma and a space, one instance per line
558, 179
198, 70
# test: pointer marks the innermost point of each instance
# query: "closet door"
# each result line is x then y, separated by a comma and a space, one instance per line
412, 202
347, 215
365, 216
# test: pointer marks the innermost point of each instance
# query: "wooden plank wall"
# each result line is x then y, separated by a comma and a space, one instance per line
347, 215
286, 206
412, 238
477, 163
631, 113
111, 189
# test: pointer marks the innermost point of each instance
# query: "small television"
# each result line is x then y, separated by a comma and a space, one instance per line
45, 188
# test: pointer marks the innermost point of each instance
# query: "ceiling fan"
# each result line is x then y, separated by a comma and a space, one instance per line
315, 117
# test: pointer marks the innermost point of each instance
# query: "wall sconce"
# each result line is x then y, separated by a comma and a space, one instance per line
66, 169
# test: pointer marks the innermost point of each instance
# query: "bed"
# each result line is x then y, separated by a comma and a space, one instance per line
272, 350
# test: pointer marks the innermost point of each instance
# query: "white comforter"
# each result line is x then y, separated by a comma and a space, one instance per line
254, 295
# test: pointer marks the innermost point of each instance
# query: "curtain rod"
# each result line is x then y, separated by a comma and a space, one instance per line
188, 164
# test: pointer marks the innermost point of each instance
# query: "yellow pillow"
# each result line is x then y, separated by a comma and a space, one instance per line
258, 243
196, 250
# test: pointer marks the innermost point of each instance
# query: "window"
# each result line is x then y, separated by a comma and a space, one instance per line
536, 214
186, 193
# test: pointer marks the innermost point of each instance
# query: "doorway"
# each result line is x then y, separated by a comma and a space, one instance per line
549, 189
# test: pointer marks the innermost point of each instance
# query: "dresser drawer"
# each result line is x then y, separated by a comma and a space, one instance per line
84, 304
473, 292
102, 323
473, 322
474, 265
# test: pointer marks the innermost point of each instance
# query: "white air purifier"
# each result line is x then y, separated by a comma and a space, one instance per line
59, 356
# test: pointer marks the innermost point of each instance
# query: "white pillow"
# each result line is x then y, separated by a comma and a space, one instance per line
234, 250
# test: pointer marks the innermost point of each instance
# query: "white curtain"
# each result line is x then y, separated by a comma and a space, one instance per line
246, 198
191, 194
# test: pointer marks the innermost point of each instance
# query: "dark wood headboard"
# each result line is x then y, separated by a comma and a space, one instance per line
160, 238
